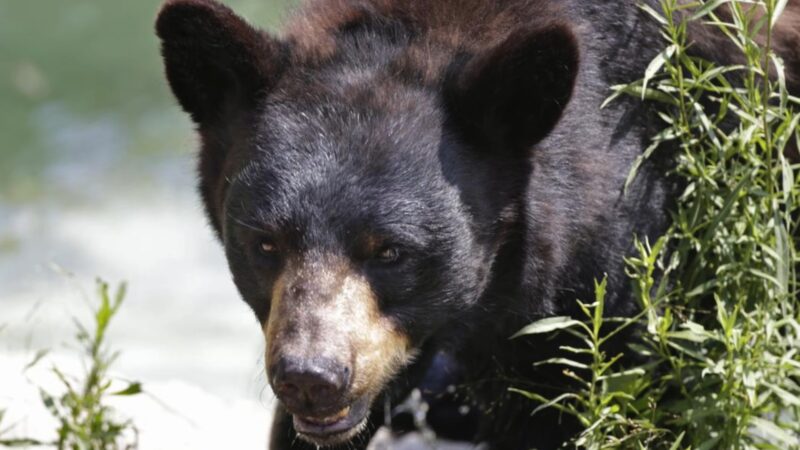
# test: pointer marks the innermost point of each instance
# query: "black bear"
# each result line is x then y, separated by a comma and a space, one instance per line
399, 179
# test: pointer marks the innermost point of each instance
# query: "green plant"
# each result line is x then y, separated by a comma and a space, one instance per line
607, 402
720, 321
86, 422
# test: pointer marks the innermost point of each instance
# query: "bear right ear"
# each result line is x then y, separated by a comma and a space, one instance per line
214, 59
509, 97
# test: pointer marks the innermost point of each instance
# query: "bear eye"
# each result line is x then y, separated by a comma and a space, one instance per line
268, 247
388, 255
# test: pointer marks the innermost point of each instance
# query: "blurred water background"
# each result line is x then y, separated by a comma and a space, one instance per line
97, 180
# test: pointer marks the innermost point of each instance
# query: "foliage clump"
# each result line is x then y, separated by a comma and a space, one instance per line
85, 420
719, 331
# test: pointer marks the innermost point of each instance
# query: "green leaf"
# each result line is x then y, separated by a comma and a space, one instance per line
599, 304
545, 402
772, 279
780, 5
656, 64
706, 9
132, 389
104, 312
677, 442
24, 442
709, 443
783, 262
638, 371
653, 13
563, 362
122, 291
36, 358
636, 90
546, 326
637, 163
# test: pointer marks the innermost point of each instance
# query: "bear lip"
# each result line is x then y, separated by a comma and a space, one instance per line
329, 420
335, 429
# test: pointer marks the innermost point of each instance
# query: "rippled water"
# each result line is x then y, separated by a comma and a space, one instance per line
96, 180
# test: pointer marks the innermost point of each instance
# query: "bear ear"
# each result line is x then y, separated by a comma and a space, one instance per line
510, 97
214, 59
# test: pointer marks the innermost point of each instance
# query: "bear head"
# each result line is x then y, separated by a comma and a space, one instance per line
361, 206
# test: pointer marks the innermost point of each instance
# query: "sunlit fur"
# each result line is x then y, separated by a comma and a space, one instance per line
467, 132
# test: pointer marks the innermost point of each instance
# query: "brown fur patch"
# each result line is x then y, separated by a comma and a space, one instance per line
787, 42
324, 309
442, 27
785, 39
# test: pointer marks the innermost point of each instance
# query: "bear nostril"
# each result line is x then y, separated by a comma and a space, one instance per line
289, 390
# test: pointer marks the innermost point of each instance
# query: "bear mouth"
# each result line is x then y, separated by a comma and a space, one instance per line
334, 429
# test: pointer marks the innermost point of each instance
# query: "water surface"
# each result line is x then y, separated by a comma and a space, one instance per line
97, 180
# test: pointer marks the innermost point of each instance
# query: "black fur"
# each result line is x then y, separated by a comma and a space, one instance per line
469, 136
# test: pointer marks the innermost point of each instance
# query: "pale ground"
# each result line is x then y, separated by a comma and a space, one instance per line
183, 331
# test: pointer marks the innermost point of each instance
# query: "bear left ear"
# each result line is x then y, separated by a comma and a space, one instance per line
511, 97
214, 59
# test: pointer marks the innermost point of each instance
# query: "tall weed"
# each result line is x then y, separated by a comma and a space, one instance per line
85, 421
720, 325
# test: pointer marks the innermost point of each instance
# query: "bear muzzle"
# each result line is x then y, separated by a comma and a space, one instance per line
330, 350
315, 391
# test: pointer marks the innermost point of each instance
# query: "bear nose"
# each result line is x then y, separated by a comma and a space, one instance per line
310, 385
